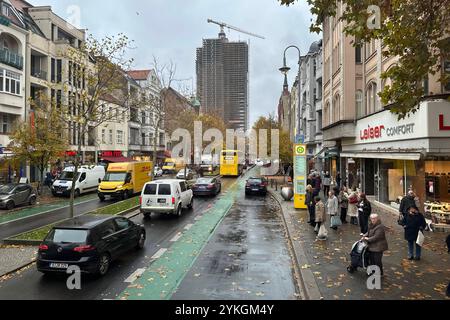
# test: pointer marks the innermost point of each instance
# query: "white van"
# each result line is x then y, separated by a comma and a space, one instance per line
166, 196
89, 178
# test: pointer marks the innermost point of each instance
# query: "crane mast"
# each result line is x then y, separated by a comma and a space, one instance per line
225, 25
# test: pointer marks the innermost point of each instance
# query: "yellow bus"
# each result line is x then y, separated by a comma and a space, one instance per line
230, 163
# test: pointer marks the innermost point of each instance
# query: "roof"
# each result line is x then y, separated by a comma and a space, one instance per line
139, 74
88, 221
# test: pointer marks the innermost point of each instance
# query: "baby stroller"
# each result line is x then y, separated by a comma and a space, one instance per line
359, 256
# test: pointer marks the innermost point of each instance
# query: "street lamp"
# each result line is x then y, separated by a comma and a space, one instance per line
284, 70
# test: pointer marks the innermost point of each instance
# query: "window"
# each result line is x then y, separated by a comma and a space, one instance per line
371, 98
5, 10
358, 54
183, 186
103, 136
164, 190
111, 137
359, 104
53, 71
122, 224
9, 82
107, 229
5, 123
59, 70
83, 177
144, 140
336, 109
119, 137
150, 189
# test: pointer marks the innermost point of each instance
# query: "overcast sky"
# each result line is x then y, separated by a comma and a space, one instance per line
174, 29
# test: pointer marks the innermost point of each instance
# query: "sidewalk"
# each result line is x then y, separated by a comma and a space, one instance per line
327, 261
13, 258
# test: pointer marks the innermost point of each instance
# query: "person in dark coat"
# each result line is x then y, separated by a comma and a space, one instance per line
407, 202
338, 180
364, 212
413, 222
376, 239
311, 205
448, 243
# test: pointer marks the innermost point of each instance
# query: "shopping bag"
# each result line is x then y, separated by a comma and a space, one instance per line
323, 233
420, 239
335, 221
316, 228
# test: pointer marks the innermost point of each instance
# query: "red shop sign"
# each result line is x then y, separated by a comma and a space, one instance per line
113, 154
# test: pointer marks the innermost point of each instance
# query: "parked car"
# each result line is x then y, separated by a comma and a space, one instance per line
166, 196
209, 186
90, 242
189, 174
16, 194
158, 172
256, 185
88, 180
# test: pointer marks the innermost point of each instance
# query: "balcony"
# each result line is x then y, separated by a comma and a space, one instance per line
11, 59
37, 73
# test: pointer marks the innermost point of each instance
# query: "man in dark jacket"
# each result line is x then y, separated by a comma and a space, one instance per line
376, 238
413, 222
364, 211
407, 202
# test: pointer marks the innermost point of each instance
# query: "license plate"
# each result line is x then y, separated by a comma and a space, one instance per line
255, 189
202, 188
161, 200
59, 192
59, 265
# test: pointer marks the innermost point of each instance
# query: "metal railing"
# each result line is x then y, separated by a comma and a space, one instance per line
11, 59
41, 74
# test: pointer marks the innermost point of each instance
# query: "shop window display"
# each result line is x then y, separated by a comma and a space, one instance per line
437, 190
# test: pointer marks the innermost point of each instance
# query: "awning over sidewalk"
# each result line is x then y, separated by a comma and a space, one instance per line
380, 155
117, 159
324, 149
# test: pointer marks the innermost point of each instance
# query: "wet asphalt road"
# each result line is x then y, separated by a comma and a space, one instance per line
246, 259
33, 222
30, 284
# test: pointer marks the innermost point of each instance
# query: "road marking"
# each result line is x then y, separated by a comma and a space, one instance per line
135, 275
159, 253
177, 237
198, 218
188, 226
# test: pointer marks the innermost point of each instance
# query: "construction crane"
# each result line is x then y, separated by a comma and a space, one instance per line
224, 25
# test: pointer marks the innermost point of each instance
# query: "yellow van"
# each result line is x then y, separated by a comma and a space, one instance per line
123, 180
173, 165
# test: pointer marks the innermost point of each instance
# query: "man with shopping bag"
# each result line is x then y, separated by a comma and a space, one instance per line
414, 224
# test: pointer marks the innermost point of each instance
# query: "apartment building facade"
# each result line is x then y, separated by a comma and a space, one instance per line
373, 150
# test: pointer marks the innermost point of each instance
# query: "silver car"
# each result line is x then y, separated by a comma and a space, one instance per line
13, 195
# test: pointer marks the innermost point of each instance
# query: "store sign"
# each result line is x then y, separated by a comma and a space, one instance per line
111, 154
71, 153
442, 126
432, 119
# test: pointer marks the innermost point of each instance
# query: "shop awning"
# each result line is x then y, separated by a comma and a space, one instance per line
320, 153
384, 155
117, 159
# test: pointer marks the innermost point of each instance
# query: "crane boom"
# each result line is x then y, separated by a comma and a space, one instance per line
223, 25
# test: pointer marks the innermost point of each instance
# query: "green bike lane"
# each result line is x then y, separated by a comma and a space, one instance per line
163, 276
42, 209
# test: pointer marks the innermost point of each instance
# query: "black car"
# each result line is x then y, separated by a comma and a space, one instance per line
256, 186
207, 187
90, 242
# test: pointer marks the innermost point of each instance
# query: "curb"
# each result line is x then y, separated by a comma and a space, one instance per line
19, 268
305, 278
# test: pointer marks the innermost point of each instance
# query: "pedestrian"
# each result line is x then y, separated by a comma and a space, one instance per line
413, 222
321, 216
377, 243
309, 181
448, 243
338, 180
48, 180
353, 207
407, 202
309, 202
326, 183
343, 204
332, 208
364, 212
317, 184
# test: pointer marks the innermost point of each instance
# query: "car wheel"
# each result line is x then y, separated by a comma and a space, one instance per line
103, 264
77, 193
141, 241
147, 215
10, 205
191, 204
179, 211
32, 201
125, 195
102, 198
220, 189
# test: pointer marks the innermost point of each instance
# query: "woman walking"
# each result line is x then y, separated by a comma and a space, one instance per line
364, 212
309, 202
332, 207
343, 204
321, 216
413, 222
353, 207
326, 183
376, 238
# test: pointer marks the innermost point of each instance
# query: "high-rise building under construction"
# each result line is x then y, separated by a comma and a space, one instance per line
222, 80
